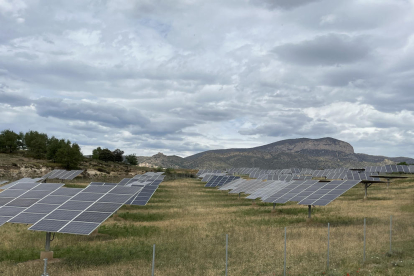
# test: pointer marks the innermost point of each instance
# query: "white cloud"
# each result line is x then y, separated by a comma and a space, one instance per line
183, 76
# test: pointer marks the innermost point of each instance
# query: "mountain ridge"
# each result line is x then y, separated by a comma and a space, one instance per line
319, 153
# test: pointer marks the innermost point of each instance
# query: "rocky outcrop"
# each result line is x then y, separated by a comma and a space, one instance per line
303, 153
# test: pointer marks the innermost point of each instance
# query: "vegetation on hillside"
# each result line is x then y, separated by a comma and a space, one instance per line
64, 152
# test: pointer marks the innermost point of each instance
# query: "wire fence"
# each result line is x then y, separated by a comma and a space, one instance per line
332, 249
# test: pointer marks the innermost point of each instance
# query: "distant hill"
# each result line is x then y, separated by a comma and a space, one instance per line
302, 153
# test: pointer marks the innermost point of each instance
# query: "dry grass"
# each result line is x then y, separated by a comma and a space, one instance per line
188, 224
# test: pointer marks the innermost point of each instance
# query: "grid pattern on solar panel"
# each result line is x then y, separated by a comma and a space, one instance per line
280, 185
245, 186
292, 185
142, 198
362, 176
19, 200
231, 185
329, 192
23, 180
290, 195
219, 181
83, 214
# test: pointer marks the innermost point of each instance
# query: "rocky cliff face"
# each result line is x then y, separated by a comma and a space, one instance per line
308, 145
303, 153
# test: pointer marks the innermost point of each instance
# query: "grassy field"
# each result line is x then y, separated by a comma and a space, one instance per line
188, 224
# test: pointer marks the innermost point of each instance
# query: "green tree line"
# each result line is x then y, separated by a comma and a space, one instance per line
40, 146
115, 156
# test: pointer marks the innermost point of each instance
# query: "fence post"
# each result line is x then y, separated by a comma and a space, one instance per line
227, 250
153, 260
327, 256
390, 234
365, 237
284, 263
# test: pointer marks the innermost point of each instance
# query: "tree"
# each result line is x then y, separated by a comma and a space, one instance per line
118, 155
106, 155
69, 155
402, 163
96, 153
131, 159
9, 141
36, 144
53, 147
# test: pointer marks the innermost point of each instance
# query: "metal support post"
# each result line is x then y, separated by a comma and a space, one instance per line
390, 234
274, 206
309, 211
366, 190
227, 251
239, 195
45, 268
284, 263
365, 237
47, 245
153, 260
388, 182
327, 256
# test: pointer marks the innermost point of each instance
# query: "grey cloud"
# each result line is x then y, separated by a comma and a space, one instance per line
329, 49
106, 114
13, 99
281, 4
292, 124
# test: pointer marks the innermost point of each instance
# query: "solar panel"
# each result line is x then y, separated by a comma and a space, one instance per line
83, 214
62, 174
19, 200
3, 182
353, 175
329, 192
292, 185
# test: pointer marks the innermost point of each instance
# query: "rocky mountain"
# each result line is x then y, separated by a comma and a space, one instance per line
302, 153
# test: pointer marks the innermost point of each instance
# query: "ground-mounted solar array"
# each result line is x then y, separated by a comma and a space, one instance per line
305, 186
82, 213
62, 174
53, 208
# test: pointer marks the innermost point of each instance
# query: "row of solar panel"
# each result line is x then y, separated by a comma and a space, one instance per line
51, 208
305, 192
62, 174
255, 172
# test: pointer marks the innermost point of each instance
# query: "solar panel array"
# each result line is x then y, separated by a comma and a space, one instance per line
208, 171
38, 210
23, 180
149, 183
18, 198
84, 212
294, 184
218, 181
390, 169
3, 182
62, 174
352, 175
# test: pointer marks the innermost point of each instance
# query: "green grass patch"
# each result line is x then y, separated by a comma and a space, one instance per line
87, 255
128, 230
139, 216
18, 254
409, 208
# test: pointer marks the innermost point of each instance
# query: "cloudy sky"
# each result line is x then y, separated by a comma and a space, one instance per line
184, 76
